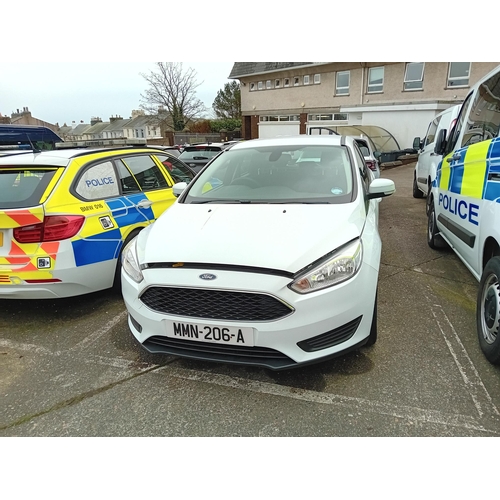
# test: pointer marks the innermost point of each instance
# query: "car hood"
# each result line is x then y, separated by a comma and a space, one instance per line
285, 237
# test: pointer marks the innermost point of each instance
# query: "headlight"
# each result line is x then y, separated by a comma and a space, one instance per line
334, 269
129, 262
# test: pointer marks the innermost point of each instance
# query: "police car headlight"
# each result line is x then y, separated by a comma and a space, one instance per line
130, 262
334, 269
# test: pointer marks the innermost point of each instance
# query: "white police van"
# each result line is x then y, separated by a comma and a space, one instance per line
428, 159
464, 205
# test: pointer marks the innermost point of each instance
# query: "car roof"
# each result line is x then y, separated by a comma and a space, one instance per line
62, 157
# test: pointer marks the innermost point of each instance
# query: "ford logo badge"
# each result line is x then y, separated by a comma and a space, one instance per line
208, 277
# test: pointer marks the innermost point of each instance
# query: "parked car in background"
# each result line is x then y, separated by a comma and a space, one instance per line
27, 138
66, 214
173, 150
369, 154
464, 208
428, 159
198, 155
262, 262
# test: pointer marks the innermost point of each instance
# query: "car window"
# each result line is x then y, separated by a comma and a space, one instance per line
277, 174
98, 182
127, 180
177, 170
483, 122
363, 169
431, 133
146, 172
21, 188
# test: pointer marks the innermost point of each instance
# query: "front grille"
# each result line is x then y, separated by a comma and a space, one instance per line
331, 338
225, 353
214, 304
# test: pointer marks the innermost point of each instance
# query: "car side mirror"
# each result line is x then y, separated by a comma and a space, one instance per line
417, 143
440, 145
178, 188
380, 188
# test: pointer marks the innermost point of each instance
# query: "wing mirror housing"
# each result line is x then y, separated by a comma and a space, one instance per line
179, 188
380, 188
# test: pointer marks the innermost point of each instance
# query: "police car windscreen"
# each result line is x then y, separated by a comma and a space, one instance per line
21, 188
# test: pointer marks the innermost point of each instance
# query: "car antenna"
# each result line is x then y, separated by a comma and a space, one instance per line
35, 150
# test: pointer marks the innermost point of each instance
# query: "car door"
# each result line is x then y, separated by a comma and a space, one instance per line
427, 155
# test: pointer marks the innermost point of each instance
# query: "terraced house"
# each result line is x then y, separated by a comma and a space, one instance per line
286, 98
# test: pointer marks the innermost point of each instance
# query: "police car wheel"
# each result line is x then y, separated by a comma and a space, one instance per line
434, 239
416, 192
372, 338
488, 311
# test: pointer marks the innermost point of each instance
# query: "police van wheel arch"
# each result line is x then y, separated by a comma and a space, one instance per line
488, 311
434, 239
118, 279
416, 191
428, 201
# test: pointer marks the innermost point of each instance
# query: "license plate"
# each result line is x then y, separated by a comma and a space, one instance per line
208, 333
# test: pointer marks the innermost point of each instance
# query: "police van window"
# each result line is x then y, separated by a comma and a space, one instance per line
177, 170
484, 118
127, 180
146, 172
98, 182
431, 133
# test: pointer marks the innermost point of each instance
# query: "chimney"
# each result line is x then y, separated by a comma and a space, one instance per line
114, 118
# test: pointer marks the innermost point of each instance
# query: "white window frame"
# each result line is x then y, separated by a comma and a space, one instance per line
466, 79
306, 80
340, 90
269, 84
277, 83
317, 78
376, 91
409, 88
260, 85
296, 81
286, 82
252, 86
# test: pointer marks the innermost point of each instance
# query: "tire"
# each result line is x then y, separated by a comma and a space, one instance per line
434, 239
428, 200
488, 311
117, 281
372, 338
416, 192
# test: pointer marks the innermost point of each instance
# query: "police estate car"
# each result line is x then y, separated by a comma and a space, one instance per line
464, 209
66, 214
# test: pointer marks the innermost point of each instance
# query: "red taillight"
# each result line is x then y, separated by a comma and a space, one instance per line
53, 228
370, 165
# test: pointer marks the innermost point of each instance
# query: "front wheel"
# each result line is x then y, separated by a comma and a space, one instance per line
434, 239
488, 311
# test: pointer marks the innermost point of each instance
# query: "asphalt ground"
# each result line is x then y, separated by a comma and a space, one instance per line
71, 367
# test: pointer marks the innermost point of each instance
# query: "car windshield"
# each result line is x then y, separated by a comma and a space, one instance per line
276, 174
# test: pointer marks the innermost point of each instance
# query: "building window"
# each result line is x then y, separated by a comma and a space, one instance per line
328, 117
317, 78
260, 85
376, 79
296, 81
268, 84
306, 79
340, 117
279, 118
458, 74
342, 82
287, 82
252, 87
414, 76
277, 83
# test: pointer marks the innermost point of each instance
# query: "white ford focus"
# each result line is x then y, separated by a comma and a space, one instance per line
269, 257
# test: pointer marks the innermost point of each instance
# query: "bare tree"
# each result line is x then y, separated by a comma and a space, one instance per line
171, 95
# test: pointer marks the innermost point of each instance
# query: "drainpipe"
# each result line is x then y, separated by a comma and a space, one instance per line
363, 65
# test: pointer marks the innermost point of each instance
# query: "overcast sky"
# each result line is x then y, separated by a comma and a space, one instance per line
63, 92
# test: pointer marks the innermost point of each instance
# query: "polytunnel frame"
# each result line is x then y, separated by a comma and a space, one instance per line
376, 140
